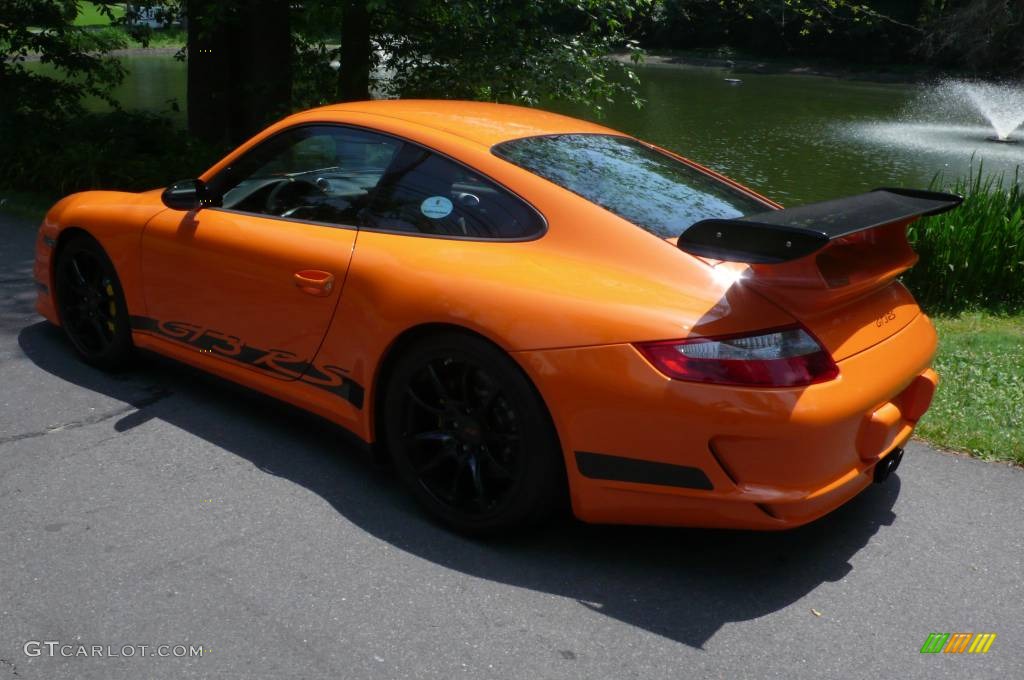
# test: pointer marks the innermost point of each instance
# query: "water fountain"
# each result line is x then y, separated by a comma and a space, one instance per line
956, 122
1001, 105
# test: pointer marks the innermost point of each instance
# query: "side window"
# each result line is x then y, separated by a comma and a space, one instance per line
320, 173
425, 193
308, 153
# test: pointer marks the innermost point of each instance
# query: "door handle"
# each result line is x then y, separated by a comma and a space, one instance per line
315, 282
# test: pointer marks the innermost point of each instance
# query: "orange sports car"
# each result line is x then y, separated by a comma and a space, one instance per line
519, 308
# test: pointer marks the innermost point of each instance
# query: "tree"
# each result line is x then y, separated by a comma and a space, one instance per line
243, 56
51, 144
45, 30
500, 50
356, 56
981, 35
239, 67
251, 61
873, 30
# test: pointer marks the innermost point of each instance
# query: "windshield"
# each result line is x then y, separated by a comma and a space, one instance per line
645, 186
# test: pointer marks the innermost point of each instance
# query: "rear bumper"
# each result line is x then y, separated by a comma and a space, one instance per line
773, 458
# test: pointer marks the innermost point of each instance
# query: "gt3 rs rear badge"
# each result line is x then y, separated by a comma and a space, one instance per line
281, 363
886, 318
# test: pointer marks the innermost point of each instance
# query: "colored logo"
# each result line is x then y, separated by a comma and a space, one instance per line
958, 643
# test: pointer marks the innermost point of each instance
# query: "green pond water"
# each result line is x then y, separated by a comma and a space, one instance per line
795, 138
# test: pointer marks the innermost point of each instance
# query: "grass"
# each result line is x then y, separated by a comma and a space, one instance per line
90, 15
157, 37
973, 257
979, 407
163, 37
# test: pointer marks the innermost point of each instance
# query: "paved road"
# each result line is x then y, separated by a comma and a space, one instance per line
164, 507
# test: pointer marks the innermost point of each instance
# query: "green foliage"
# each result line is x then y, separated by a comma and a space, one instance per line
973, 257
981, 35
503, 50
805, 15
169, 13
979, 407
864, 32
46, 28
486, 49
91, 14
135, 38
314, 81
118, 150
497, 50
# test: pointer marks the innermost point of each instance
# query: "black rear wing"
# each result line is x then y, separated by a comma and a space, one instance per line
783, 235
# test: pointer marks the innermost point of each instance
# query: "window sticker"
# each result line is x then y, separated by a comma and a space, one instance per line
436, 207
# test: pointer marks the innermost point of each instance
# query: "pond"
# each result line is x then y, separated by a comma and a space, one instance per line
796, 138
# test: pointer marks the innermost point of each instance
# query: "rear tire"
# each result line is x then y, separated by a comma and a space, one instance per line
90, 302
470, 436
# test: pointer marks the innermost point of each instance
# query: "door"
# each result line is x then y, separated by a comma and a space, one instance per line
257, 279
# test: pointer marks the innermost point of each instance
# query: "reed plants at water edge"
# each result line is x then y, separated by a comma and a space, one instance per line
972, 257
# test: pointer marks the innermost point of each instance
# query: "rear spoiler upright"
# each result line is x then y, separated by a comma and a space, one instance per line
777, 236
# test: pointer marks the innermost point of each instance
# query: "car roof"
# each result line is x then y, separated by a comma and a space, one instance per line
482, 122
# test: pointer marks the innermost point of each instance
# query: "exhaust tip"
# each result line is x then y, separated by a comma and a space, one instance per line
885, 467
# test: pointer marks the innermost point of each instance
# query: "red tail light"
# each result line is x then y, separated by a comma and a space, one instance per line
780, 357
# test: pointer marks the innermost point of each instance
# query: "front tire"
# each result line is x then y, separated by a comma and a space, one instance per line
91, 304
470, 437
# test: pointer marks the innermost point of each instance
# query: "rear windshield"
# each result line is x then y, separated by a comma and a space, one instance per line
649, 188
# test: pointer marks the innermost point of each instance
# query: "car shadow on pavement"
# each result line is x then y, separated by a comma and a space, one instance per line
683, 584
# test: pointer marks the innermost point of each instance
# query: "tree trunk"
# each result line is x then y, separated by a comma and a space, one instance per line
208, 72
239, 67
263, 59
356, 52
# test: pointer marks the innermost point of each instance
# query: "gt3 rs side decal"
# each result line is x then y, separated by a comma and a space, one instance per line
279, 362
619, 469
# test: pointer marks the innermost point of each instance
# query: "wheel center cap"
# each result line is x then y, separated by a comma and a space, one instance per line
469, 430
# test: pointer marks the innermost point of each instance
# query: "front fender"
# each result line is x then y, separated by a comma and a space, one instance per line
116, 220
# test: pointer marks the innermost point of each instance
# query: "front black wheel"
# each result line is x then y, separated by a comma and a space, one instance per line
91, 304
470, 436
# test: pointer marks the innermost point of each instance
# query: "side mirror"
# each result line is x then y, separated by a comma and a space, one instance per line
188, 194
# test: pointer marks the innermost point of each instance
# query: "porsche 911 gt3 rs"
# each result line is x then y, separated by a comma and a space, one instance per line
519, 308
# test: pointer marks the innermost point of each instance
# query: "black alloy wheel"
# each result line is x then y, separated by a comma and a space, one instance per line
91, 303
470, 436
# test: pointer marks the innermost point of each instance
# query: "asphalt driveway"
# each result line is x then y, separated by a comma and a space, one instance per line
163, 507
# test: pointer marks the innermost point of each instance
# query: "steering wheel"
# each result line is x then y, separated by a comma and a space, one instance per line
287, 197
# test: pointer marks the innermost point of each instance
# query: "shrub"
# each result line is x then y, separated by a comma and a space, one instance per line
118, 150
